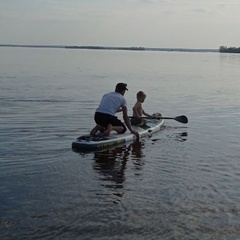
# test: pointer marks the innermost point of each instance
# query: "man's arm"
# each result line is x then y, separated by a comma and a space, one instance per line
119, 110
127, 121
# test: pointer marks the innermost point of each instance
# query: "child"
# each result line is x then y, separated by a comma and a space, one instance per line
138, 111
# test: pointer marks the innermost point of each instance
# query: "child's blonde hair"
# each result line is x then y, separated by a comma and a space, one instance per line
141, 94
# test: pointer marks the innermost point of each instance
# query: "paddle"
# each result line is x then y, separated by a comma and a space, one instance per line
181, 119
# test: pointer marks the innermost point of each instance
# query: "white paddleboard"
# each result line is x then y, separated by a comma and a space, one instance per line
88, 143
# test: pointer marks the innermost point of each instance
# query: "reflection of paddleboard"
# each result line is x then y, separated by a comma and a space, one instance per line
98, 143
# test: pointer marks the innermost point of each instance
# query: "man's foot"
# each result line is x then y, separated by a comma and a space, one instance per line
94, 130
108, 130
102, 129
106, 133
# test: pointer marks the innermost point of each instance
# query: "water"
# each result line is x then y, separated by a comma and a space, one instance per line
182, 183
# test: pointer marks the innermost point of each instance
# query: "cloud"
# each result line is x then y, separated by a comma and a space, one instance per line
113, 22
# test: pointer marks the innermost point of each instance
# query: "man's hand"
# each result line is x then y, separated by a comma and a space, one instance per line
135, 133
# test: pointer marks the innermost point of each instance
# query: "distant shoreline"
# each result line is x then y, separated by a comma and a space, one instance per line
112, 48
224, 49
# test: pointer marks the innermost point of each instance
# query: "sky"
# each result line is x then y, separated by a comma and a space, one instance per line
121, 23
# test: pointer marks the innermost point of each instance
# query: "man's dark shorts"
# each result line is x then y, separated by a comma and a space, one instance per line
104, 119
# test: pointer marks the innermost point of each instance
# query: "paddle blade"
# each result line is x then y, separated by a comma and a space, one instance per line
181, 119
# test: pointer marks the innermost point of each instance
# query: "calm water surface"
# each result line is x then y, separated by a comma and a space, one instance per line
181, 183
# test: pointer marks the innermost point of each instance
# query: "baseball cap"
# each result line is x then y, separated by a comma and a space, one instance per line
121, 86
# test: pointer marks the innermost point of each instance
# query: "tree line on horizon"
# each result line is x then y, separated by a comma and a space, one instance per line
229, 49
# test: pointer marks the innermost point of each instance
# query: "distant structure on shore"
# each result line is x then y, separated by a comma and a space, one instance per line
224, 49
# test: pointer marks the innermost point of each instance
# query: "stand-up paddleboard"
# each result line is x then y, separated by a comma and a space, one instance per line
98, 143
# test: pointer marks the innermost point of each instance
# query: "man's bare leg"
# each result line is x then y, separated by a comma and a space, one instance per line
110, 128
118, 129
96, 129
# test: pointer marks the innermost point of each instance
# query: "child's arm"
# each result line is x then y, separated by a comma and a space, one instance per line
146, 114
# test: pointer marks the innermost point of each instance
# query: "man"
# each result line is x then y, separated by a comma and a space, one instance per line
105, 118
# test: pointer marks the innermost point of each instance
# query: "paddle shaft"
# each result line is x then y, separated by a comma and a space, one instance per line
166, 118
181, 119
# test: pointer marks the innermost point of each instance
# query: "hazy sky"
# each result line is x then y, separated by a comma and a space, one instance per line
145, 23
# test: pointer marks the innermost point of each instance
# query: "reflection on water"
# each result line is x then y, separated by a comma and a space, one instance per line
180, 136
111, 164
137, 151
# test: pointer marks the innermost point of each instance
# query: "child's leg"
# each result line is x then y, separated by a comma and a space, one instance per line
142, 123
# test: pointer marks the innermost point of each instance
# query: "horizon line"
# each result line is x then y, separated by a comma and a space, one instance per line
98, 47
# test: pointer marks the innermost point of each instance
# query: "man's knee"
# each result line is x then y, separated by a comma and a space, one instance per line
124, 129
